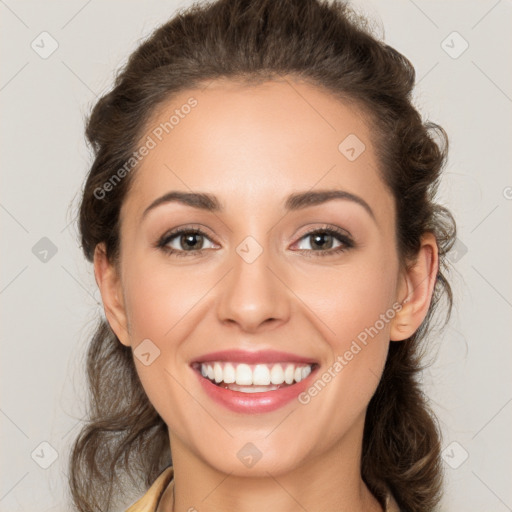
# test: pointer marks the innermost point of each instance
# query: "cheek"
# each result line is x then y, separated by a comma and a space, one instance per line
353, 309
350, 299
159, 296
159, 302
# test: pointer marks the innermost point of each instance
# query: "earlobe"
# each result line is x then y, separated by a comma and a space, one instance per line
109, 284
416, 289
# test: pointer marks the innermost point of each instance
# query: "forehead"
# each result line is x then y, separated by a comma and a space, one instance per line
257, 143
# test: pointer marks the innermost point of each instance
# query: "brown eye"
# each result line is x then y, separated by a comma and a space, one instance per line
323, 240
191, 241
185, 240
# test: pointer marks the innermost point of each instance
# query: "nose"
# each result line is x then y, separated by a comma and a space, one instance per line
252, 296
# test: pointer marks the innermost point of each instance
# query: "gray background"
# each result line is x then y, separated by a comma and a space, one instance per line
49, 301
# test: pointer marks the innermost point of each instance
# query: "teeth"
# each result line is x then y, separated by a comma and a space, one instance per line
217, 372
241, 374
252, 389
289, 373
277, 374
229, 374
261, 375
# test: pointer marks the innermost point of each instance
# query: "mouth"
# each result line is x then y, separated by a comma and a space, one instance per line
254, 382
253, 378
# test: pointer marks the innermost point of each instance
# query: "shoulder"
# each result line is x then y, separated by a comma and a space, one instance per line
149, 502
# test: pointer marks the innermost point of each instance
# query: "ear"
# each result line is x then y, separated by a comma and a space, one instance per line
416, 289
109, 284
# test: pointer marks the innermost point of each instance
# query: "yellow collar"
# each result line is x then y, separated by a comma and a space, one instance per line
149, 502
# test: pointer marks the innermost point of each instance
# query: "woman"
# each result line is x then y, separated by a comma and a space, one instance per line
262, 221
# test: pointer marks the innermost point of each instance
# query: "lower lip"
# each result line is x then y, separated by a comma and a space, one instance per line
254, 403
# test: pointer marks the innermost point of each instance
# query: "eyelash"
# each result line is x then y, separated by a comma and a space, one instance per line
342, 237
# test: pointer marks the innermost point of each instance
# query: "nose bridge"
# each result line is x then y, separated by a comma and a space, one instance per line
252, 295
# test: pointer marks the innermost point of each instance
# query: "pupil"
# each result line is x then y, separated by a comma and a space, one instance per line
188, 241
319, 240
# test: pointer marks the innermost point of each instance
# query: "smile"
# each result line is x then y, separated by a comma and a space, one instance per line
253, 382
254, 378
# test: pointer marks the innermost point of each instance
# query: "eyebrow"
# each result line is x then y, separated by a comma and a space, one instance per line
312, 198
294, 202
196, 200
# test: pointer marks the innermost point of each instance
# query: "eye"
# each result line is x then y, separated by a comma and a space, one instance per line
325, 241
193, 241
182, 241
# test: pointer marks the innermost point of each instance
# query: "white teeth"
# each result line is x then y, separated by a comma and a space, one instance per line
306, 371
241, 374
229, 373
217, 371
277, 374
252, 389
289, 373
261, 375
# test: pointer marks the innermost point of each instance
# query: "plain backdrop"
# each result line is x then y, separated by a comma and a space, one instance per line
462, 53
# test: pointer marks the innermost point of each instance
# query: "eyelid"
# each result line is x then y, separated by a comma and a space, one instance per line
188, 227
343, 233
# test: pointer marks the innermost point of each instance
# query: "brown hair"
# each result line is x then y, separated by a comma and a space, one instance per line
331, 47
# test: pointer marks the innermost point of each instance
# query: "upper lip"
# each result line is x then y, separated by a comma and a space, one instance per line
250, 357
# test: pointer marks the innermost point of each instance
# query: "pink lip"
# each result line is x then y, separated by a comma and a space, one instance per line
253, 403
243, 356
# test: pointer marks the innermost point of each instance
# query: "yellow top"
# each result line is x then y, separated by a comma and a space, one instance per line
149, 502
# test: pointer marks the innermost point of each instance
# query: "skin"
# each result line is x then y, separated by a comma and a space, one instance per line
252, 147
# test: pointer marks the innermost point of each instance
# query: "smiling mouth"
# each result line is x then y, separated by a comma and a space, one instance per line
253, 378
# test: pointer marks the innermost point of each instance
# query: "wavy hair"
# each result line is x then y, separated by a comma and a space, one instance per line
330, 46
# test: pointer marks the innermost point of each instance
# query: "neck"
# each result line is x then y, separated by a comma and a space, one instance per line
329, 481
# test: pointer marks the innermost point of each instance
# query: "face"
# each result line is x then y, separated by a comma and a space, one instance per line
277, 262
